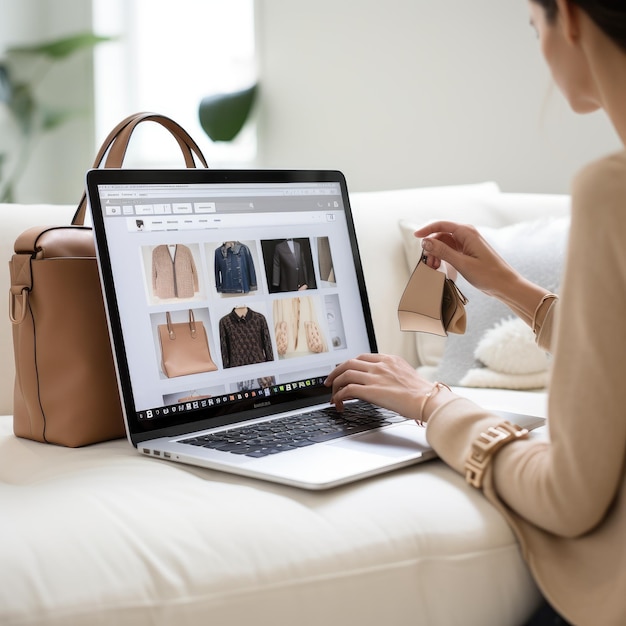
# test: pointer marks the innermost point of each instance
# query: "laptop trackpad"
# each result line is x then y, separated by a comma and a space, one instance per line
397, 441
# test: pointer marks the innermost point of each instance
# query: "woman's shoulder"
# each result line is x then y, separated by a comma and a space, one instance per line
602, 181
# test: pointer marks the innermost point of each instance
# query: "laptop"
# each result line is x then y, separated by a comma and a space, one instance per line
230, 297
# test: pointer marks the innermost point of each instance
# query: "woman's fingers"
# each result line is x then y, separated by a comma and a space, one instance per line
384, 380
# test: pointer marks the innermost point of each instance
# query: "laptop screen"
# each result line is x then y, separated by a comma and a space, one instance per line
230, 294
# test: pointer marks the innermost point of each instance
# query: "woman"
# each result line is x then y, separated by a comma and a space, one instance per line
566, 498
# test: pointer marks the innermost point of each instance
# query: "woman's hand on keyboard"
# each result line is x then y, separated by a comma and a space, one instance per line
385, 380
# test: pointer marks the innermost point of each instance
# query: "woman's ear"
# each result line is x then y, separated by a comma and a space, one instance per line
569, 19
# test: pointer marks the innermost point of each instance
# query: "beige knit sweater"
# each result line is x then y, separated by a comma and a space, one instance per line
566, 499
175, 277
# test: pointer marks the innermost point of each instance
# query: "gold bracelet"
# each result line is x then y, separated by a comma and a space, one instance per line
486, 445
435, 389
548, 296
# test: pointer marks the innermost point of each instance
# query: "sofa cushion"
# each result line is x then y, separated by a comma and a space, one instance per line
103, 535
535, 248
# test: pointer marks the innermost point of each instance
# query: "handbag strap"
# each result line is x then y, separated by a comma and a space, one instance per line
192, 324
120, 143
115, 145
170, 328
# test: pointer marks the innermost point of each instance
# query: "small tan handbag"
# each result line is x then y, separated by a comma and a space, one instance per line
184, 347
65, 384
432, 303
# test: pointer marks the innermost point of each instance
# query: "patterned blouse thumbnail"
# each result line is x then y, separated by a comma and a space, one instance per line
245, 340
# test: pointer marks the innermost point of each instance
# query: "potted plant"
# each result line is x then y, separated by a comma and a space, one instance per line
24, 116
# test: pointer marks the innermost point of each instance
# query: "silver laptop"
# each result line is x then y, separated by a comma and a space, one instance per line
230, 296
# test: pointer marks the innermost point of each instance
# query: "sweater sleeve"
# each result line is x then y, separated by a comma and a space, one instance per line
276, 267
266, 340
247, 255
225, 341
194, 272
154, 269
218, 270
567, 485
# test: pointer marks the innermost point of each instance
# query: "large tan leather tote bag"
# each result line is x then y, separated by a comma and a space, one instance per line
66, 390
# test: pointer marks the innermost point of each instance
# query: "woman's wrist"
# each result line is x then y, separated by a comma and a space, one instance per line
431, 400
522, 297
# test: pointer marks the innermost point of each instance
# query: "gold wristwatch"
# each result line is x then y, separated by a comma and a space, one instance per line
486, 445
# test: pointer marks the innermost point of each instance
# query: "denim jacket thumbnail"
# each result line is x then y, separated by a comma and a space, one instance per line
234, 268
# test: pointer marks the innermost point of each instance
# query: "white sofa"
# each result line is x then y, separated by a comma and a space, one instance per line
102, 535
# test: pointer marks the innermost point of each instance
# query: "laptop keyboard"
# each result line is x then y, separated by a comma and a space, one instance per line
297, 431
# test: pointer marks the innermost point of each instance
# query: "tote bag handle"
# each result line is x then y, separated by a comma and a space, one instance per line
114, 147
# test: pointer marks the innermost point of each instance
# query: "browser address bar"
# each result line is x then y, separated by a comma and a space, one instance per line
154, 193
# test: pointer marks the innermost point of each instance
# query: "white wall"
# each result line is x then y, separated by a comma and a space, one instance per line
395, 93
403, 93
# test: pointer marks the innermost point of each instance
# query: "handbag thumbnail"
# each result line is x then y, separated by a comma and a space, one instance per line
184, 347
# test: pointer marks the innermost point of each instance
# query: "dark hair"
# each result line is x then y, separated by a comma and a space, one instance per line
609, 15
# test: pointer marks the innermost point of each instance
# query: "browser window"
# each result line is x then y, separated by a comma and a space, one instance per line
262, 275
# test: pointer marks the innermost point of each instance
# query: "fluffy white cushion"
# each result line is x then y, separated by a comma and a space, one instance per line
509, 358
536, 248
509, 347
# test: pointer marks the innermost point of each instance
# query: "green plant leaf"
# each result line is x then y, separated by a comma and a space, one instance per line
222, 116
8, 195
6, 89
51, 118
23, 107
60, 48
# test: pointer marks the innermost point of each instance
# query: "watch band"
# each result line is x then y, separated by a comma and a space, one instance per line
486, 445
